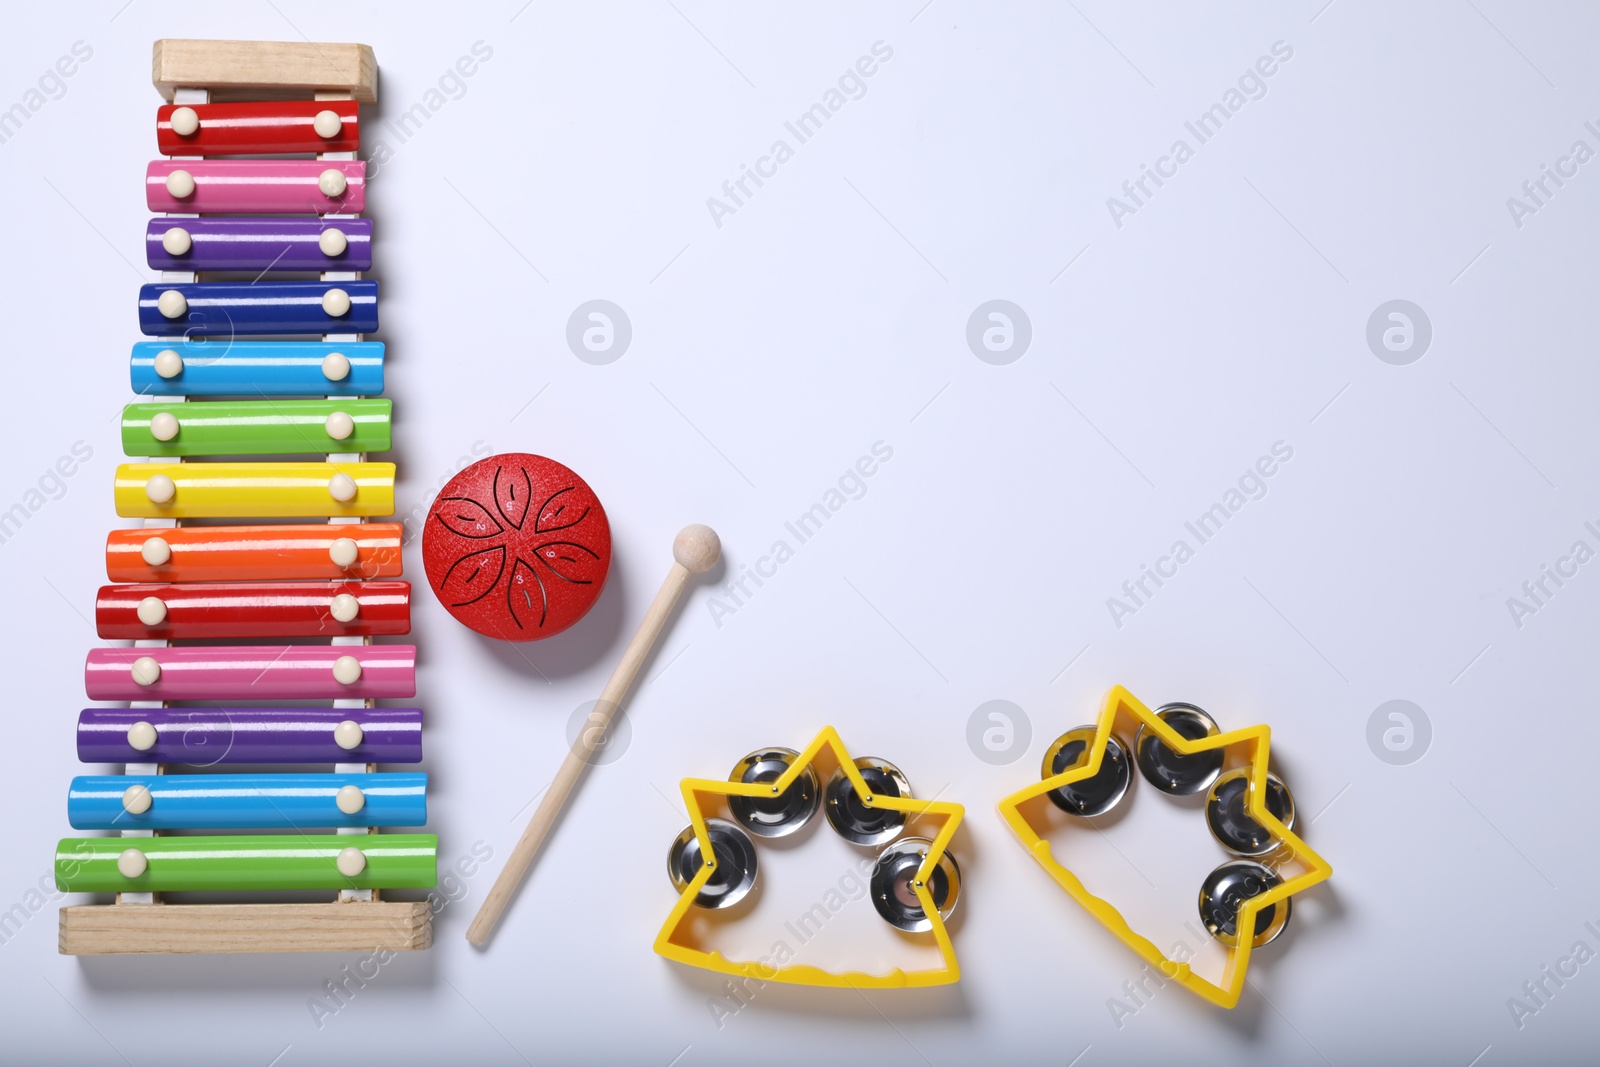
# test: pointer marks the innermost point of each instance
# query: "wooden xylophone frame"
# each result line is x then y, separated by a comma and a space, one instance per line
200, 72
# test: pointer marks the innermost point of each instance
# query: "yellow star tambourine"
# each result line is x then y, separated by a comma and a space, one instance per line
825, 753
1248, 747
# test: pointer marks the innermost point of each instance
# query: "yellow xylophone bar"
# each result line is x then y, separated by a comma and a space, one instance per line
265, 490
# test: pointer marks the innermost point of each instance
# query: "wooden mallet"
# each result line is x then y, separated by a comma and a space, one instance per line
694, 551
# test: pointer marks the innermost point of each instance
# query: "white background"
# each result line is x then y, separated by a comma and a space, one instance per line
828, 313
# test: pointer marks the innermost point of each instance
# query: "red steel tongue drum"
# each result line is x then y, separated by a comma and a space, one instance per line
327, 578
517, 547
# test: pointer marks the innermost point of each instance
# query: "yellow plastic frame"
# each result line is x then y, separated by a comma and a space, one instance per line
696, 791
1253, 743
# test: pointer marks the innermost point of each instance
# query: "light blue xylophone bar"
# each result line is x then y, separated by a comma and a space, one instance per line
256, 368
246, 801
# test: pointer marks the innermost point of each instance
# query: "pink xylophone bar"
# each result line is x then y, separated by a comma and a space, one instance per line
252, 672
267, 187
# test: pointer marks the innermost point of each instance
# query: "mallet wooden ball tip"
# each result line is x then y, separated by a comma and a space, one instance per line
697, 548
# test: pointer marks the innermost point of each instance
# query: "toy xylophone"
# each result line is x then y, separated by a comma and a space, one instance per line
228, 411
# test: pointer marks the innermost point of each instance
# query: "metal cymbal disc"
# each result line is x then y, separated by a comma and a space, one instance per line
1223, 894
735, 856
1163, 767
782, 813
1230, 822
894, 880
1092, 796
858, 820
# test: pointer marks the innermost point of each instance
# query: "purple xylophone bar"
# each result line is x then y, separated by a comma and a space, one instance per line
206, 736
315, 244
